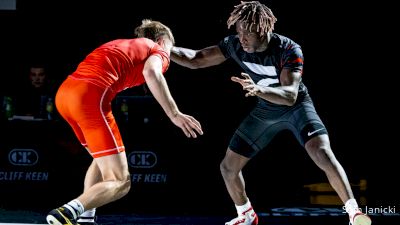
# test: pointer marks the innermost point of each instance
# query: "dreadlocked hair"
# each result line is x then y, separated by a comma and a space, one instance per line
253, 14
153, 30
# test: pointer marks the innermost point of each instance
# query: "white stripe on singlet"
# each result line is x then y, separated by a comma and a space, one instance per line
264, 70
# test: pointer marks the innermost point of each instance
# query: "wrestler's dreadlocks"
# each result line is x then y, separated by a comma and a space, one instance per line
253, 14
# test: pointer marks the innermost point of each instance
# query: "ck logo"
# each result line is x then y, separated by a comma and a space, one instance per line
23, 157
142, 159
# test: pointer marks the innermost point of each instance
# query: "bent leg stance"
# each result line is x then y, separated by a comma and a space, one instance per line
87, 108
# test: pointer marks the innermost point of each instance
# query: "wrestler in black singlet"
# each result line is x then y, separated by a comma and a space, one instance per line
267, 119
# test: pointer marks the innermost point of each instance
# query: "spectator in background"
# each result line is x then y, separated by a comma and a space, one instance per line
35, 95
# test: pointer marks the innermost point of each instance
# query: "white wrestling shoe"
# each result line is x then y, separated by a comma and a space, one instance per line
360, 219
248, 217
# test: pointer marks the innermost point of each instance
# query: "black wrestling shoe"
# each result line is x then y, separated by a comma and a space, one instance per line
61, 216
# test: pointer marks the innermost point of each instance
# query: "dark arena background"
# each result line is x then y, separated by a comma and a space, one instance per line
348, 68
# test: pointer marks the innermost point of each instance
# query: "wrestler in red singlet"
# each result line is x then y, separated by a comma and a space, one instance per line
84, 99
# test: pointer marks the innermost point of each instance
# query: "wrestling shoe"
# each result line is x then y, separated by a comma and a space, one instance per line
248, 217
61, 216
360, 219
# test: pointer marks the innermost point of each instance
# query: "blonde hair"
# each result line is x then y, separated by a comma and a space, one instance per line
153, 30
255, 15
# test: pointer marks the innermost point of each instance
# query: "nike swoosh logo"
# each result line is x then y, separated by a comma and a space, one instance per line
313, 132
